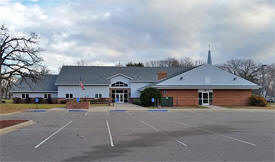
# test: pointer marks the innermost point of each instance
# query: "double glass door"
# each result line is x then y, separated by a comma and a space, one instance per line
205, 98
120, 95
119, 98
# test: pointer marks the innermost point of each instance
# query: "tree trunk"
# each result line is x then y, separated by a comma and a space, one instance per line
1, 92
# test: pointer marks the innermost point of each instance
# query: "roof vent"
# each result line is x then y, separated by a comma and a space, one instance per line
181, 78
235, 78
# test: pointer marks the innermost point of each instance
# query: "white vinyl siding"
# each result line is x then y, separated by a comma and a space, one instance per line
89, 91
134, 89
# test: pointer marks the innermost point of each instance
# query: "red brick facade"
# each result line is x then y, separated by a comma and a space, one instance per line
231, 97
186, 97
182, 97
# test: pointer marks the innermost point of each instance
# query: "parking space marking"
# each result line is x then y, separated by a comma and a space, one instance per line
86, 113
53, 134
213, 132
158, 130
110, 134
129, 113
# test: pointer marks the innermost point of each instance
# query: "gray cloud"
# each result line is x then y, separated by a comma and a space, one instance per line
104, 32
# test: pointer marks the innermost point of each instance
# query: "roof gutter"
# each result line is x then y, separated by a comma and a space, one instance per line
209, 87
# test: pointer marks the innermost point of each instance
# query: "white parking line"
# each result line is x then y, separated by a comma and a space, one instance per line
225, 136
53, 134
158, 130
86, 113
110, 135
129, 113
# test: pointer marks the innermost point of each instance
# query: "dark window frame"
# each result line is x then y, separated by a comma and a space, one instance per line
119, 84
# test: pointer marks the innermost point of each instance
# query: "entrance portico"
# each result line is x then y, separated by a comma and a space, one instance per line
120, 95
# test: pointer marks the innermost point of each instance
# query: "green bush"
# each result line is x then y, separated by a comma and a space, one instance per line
147, 95
136, 101
256, 100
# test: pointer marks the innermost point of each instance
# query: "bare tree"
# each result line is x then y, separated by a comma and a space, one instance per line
81, 63
172, 62
246, 69
270, 80
188, 62
19, 58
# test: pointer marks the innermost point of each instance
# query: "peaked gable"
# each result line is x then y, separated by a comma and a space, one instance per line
206, 77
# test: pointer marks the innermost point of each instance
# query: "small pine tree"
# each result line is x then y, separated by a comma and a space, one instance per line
147, 95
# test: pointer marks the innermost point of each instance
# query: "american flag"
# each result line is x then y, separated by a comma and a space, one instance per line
81, 84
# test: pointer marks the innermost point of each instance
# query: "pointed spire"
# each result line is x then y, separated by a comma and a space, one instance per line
209, 60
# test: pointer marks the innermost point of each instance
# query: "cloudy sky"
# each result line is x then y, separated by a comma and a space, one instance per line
103, 32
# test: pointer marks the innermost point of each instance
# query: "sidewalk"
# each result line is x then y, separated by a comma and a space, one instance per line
213, 107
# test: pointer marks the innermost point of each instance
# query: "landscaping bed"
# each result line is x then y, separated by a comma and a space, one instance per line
77, 105
10, 108
8, 123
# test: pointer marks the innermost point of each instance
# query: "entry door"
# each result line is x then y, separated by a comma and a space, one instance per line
205, 98
119, 98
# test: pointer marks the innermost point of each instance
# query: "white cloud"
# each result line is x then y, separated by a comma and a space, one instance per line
104, 32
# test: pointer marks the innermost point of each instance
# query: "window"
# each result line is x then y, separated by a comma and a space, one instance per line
200, 98
98, 95
119, 84
47, 96
25, 95
69, 95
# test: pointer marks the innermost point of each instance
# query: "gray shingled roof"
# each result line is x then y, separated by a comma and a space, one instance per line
46, 84
204, 77
70, 75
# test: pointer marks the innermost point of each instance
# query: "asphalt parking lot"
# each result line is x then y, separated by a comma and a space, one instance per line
187, 135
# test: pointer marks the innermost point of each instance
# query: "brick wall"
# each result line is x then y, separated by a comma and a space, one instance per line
182, 97
231, 97
220, 97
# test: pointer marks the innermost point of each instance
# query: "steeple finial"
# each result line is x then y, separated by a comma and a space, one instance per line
209, 60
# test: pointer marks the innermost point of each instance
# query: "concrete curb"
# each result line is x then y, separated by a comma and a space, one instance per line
157, 110
11, 113
16, 127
